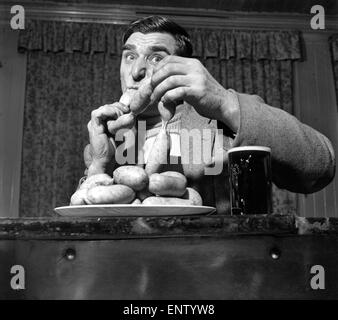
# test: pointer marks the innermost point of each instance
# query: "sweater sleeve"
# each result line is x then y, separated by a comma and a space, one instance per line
303, 159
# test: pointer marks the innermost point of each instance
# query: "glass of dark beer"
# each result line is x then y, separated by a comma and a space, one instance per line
250, 180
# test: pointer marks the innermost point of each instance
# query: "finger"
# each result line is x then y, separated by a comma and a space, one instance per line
120, 105
167, 84
87, 155
169, 59
167, 70
95, 127
175, 95
126, 121
99, 116
112, 111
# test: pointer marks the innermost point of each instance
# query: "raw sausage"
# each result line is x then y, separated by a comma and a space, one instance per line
193, 196
160, 201
167, 111
159, 153
113, 194
168, 184
79, 198
141, 98
101, 179
132, 176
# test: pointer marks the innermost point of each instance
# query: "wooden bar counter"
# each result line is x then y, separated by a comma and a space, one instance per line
190, 257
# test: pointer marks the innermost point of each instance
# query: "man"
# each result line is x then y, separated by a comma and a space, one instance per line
156, 48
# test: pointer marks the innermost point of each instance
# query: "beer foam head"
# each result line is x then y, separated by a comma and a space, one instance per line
250, 148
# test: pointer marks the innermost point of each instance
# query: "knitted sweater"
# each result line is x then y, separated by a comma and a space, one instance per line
303, 159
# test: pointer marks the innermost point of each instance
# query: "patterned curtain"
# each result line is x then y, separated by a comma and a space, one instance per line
334, 52
73, 68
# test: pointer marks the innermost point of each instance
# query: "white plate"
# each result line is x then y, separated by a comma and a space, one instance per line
128, 210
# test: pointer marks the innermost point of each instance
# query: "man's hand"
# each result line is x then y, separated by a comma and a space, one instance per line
102, 145
177, 78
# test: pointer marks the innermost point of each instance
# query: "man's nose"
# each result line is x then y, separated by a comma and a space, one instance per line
139, 70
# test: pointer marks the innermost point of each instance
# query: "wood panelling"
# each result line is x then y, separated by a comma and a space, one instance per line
12, 89
292, 6
315, 104
192, 16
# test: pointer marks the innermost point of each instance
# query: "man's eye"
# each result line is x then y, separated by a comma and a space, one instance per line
154, 59
129, 56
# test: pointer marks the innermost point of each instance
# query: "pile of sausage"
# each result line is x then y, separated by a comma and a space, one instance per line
132, 185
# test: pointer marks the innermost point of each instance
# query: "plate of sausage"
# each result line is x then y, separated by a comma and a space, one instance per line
132, 191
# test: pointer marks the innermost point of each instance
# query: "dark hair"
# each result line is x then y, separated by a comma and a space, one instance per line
164, 25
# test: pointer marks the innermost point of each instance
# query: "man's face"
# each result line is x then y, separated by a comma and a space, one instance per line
141, 53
